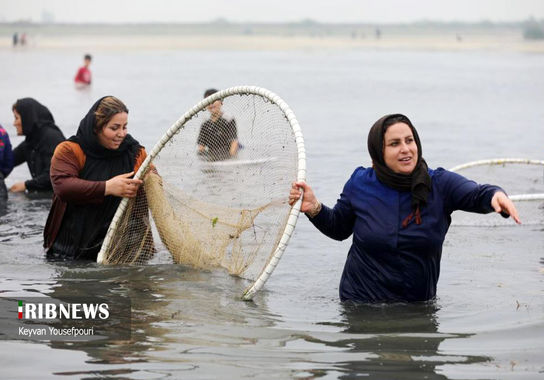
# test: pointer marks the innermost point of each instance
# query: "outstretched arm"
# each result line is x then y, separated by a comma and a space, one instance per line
464, 194
42, 182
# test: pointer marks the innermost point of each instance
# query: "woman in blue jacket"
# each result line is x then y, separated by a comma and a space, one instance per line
398, 212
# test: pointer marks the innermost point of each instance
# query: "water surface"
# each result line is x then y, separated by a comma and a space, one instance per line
487, 320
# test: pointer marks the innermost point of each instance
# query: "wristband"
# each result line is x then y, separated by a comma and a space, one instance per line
313, 213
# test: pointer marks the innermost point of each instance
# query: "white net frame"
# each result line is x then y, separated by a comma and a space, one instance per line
179, 125
522, 199
503, 161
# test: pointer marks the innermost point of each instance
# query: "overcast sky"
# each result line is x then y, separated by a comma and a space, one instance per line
384, 11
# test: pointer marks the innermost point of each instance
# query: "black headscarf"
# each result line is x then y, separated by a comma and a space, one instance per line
418, 182
87, 139
34, 118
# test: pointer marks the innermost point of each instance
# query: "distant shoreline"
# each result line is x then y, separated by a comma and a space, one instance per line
168, 42
297, 36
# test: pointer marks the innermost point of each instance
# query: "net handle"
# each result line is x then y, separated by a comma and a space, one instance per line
278, 253
503, 161
527, 197
180, 123
497, 161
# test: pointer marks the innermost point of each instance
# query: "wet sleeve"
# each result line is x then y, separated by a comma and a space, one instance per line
464, 194
65, 167
42, 182
19, 154
337, 222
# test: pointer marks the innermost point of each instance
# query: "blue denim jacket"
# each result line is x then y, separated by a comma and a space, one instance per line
388, 263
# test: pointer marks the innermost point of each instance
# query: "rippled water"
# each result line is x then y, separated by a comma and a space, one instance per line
487, 320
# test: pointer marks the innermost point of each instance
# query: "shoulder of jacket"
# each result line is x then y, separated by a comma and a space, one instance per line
140, 158
70, 148
360, 175
52, 132
444, 179
141, 153
438, 173
50, 138
361, 172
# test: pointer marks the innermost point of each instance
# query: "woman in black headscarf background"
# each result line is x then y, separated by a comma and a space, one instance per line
399, 212
90, 173
34, 121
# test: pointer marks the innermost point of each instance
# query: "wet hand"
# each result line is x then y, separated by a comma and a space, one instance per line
18, 187
123, 186
309, 201
503, 205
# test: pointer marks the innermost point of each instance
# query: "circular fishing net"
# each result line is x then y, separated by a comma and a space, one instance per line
523, 181
216, 187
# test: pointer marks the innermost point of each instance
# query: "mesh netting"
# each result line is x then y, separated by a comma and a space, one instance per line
217, 191
523, 181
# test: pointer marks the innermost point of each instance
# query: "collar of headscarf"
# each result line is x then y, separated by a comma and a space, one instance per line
87, 139
34, 117
418, 182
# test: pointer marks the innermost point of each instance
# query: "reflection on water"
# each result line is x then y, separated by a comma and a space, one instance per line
395, 339
21, 228
83, 281
178, 314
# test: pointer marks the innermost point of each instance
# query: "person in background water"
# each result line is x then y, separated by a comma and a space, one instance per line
6, 161
83, 75
398, 212
91, 172
34, 121
218, 137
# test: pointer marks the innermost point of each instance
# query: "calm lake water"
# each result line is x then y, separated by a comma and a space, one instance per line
487, 321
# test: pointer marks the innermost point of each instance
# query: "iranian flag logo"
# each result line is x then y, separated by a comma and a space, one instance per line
20, 310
